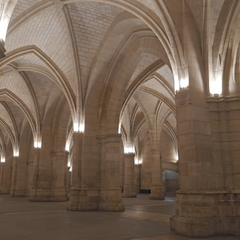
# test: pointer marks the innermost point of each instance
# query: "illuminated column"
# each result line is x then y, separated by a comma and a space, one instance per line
35, 177
6, 172
157, 188
59, 192
129, 189
14, 176
75, 203
111, 193
197, 199
138, 176
1, 175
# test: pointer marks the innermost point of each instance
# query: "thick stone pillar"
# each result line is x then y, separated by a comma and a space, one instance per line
129, 189
59, 191
84, 193
1, 175
30, 165
14, 176
19, 184
6, 173
137, 179
197, 212
110, 196
157, 188
35, 191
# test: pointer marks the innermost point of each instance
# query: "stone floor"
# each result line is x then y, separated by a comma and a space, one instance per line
143, 219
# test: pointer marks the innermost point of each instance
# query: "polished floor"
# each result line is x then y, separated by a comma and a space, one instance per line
143, 219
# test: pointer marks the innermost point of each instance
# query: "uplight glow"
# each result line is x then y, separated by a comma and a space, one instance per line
3, 28
184, 83
16, 153
67, 146
215, 86
2, 159
129, 150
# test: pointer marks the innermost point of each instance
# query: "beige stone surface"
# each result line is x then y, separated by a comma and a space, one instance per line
100, 97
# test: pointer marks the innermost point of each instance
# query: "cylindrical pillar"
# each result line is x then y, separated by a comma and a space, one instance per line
157, 188
76, 175
14, 176
129, 189
110, 196
35, 175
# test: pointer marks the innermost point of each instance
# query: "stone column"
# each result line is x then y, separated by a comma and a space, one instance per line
75, 203
110, 196
1, 175
157, 188
196, 208
14, 176
30, 165
138, 177
35, 176
59, 191
84, 195
6, 175
129, 189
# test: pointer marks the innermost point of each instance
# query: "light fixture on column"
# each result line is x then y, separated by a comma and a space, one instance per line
69, 164
3, 28
75, 127
129, 150
119, 128
137, 161
70, 169
16, 153
79, 127
37, 143
67, 146
184, 82
215, 85
3, 159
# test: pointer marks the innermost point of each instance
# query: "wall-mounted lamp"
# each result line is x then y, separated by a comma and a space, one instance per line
16, 153
67, 146
137, 161
37, 144
79, 127
129, 150
3, 159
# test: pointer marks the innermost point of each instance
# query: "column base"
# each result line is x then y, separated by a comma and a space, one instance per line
5, 191
157, 192
205, 227
18, 193
83, 199
39, 195
111, 200
129, 192
48, 195
206, 214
